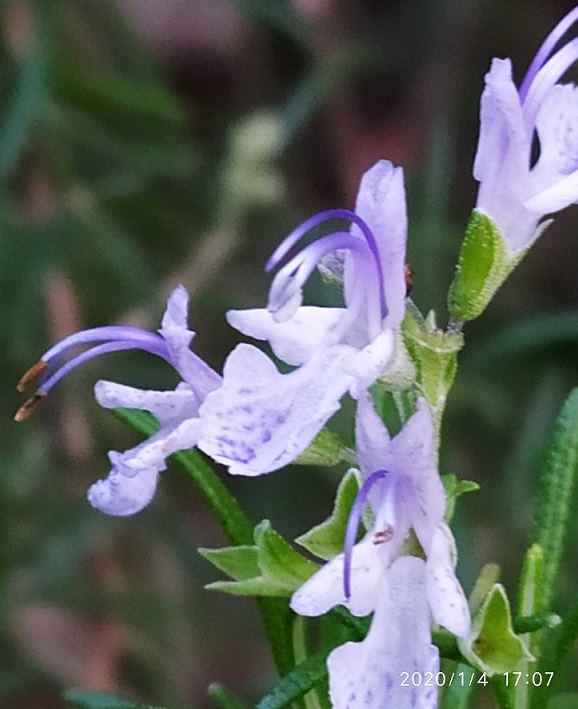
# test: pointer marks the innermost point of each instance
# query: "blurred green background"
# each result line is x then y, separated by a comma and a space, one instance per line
145, 143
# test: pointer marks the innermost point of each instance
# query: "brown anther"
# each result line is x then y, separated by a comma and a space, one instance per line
383, 536
28, 407
32, 375
408, 275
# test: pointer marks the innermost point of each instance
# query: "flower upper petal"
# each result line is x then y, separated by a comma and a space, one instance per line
381, 204
504, 142
324, 590
502, 163
174, 330
261, 420
369, 674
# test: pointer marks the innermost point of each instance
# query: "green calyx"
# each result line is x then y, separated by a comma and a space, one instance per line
484, 264
434, 354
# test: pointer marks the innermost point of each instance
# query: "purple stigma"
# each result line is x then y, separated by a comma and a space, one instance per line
353, 526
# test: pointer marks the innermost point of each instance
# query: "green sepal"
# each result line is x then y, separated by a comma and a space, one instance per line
492, 645
280, 570
454, 488
80, 699
326, 540
484, 263
434, 354
325, 449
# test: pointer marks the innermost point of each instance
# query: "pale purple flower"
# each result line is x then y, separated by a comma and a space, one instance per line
377, 575
371, 256
517, 191
132, 481
260, 419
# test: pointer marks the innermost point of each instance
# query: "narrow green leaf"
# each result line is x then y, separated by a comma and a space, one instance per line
280, 570
257, 586
80, 699
278, 559
326, 539
224, 698
556, 495
298, 682
239, 562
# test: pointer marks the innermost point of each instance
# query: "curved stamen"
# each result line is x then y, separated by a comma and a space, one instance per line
546, 77
299, 232
546, 50
295, 272
353, 525
102, 334
287, 244
105, 348
119, 338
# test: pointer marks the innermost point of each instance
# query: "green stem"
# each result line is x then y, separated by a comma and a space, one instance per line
301, 653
